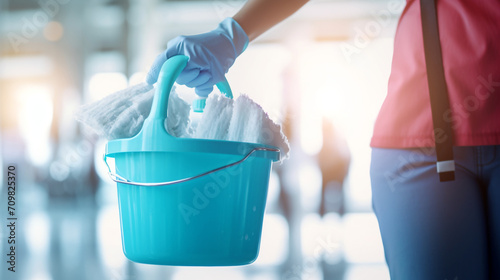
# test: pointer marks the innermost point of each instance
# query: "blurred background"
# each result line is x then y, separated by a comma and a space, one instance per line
322, 74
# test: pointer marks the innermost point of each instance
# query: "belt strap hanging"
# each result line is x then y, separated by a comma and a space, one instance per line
440, 105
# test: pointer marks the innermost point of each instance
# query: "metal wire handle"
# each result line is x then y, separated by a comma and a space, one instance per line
119, 179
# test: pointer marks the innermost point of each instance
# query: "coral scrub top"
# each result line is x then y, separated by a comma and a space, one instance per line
470, 40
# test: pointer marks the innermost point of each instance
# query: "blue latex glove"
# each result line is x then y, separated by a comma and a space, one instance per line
210, 56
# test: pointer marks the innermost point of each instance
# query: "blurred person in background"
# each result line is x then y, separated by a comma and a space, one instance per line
430, 229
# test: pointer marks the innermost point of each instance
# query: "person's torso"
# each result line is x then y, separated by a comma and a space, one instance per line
470, 41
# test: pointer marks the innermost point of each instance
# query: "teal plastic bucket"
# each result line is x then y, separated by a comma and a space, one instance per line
190, 202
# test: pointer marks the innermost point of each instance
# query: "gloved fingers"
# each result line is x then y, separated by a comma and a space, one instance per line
203, 77
187, 75
205, 89
154, 71
175, 46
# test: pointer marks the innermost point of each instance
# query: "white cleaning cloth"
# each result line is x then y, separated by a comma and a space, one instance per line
246, 123
121, 114
216, 117
240, 120
177, 122
250, 123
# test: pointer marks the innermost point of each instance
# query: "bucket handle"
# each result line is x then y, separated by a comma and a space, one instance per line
169, 72
119, 179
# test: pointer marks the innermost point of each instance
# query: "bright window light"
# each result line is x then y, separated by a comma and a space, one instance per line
255, 75
311, 137
103, 84
25, 66
137, 78
35, 119
350, 94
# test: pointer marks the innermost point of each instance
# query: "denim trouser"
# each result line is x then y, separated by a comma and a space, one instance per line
433, 230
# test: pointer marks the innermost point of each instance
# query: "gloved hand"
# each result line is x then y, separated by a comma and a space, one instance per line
210, 56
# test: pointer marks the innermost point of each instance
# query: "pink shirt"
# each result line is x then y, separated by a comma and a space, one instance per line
470, 40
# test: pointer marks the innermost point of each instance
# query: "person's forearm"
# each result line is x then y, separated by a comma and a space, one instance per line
257, 16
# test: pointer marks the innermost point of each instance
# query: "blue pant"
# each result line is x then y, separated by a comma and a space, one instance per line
433, 230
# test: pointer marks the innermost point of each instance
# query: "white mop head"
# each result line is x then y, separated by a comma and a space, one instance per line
122, 114
216, 117
240, 120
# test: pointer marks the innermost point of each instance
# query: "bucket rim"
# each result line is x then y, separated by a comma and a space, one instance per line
191, 145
